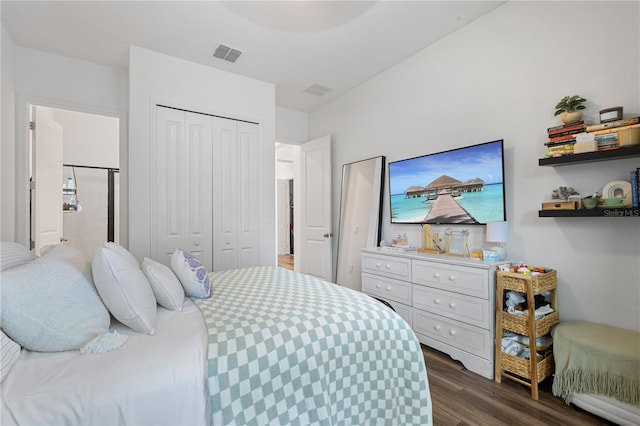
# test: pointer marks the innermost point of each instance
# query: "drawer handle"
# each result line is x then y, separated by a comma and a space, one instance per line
437, 327
378, 286
452, 332
452, 277
452, 305
388, 266
388, 288
436, 275
377, 264
436, 301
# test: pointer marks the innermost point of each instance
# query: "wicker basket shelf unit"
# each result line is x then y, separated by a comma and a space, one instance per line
529, 372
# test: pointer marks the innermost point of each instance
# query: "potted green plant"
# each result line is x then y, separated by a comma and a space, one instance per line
571, 109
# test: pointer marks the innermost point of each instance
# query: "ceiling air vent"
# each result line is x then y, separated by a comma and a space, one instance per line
317, 90
226, 53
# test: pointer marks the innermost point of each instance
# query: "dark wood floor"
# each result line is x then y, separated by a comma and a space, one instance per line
460, 397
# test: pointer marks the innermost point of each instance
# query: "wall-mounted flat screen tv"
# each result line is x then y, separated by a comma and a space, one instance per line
459, 186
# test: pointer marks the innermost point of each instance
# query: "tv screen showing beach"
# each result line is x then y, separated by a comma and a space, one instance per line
460, 186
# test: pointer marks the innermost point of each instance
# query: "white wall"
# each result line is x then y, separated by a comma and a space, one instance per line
291, 126
57, 81
157, 78
7, 146
500, 77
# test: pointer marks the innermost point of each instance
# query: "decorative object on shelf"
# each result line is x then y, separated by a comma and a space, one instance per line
618, 189
563, 193
457, 242
498, 232
610, 114
71, 188
431, 241
571, 109
591, 201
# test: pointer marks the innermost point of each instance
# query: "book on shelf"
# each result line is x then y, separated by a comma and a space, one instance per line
567, 133
616, 129
561, 150
558, 141
564, 127
611, 124
634, 187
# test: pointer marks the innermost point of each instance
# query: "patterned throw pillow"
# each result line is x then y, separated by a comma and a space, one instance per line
164, 283
192, 274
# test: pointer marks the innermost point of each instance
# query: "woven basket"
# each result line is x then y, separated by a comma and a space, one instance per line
521, 366
519, 282
520, 323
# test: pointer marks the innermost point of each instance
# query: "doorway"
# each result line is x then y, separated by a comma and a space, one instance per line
285, 204
86, 180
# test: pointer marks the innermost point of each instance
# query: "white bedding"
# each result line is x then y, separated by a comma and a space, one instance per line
123, 386
609, 408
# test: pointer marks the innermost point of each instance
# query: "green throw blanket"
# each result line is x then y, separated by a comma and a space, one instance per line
597, 359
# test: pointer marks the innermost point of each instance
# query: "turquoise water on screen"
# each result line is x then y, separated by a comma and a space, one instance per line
486, 206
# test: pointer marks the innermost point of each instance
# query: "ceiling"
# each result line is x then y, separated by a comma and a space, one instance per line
292, 44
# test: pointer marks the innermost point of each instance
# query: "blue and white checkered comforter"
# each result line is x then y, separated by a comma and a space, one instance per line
286, 348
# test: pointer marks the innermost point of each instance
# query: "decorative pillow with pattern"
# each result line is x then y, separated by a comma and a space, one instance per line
192, 274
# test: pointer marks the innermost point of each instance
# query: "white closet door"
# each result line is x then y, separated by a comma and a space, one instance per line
181, 185
236, 194
248, 195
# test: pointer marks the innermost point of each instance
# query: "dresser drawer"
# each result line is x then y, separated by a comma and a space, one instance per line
401, 309
474, 340
469, 281
472, 310
387, 288
389, 266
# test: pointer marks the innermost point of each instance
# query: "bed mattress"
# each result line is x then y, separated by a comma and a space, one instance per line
157, 380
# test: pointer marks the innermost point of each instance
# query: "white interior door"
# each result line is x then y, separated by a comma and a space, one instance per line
283, 217
313, 209
181, 185
47, 182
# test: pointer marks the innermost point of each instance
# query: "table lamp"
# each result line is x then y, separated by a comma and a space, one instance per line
498, 232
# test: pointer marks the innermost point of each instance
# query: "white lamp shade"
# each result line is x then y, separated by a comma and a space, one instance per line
498, 232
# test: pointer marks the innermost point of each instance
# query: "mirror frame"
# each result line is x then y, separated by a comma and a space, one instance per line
362, 182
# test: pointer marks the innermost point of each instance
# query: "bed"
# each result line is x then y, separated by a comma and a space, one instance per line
269, 346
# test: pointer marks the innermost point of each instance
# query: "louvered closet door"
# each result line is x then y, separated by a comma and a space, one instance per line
236, 194
181, 185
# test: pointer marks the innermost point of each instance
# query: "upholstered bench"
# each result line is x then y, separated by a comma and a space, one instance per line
598, 369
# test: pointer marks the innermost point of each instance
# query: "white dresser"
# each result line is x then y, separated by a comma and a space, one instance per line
448, 301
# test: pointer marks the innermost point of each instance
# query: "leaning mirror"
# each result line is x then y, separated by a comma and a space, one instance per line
360, 217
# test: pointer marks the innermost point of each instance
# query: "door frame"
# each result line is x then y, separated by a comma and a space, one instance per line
23, 158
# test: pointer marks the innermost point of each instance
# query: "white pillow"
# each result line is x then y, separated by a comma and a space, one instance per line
122, 251
124, 289
50, 304
165, 285
14, 254
9, 354
192, 274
